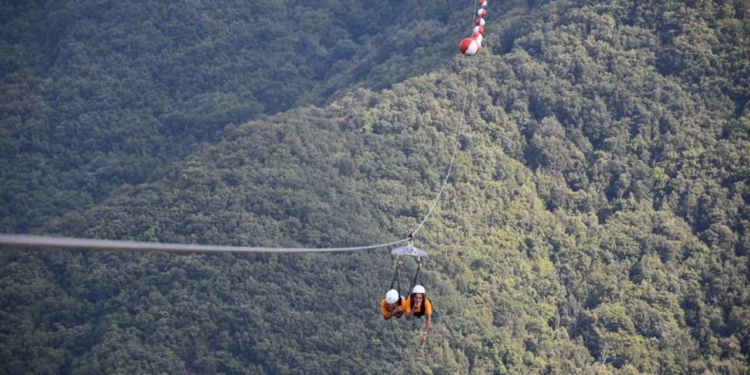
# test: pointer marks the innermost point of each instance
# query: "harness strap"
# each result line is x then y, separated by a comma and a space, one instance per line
416, 275
395, 280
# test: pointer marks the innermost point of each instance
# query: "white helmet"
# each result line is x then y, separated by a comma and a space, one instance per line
418, 290
392, 296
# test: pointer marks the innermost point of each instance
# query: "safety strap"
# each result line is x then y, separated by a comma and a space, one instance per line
395, 280
416, 275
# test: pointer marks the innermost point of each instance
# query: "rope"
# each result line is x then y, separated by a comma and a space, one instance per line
455, 146
79, 243
396, 278
453, 15
416, 276
476, 8
453, 158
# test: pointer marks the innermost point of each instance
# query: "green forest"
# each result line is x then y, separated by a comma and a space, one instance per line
596, 219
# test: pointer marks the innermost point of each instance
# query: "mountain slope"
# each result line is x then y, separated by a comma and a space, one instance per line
596, 222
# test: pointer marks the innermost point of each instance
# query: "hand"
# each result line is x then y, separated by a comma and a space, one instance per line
424, 337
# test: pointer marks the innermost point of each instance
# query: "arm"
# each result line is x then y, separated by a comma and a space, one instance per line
384, 311
408, 314
428, 323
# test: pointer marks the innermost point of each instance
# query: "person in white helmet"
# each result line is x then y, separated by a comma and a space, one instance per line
393, 305
419, 306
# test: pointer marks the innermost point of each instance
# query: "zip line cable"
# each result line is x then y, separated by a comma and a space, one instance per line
97, 244
21, 240
80, 243
453, 15
453, 158
455, 146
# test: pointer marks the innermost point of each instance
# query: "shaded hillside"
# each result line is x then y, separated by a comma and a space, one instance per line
596, 221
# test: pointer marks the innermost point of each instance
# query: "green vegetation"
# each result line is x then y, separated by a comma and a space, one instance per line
597, 220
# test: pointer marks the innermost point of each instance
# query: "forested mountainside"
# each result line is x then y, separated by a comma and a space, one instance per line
596, 221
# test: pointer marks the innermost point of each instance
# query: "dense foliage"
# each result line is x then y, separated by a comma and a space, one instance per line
597, 220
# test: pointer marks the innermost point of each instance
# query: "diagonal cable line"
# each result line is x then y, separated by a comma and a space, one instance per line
453, 158
453, 15
19, 240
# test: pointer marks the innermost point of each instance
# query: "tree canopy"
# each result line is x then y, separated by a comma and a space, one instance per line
596, 220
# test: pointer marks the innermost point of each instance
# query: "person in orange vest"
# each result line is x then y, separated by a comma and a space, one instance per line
419, 305
393, 305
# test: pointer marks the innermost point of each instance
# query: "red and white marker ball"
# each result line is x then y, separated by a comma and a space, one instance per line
470, 46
